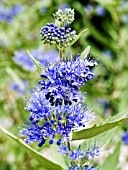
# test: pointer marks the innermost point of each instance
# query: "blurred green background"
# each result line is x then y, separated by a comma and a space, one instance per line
20, 24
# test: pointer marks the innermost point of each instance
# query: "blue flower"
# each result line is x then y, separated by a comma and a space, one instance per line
88, 8
123, 5
3, 13
16, 9
7, 14
107, 53
78, 158
125, 138
21, 88
63, 149
100, 11
75, 167
62, 80
89, 168
91, 154
75, 155
51, 34
48, 122
22, 58
43, 9
64, 6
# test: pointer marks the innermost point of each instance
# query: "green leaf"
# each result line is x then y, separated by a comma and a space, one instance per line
36, 62
79, 35
111, 161
85, 53
47, 164
78, 7
99, 36
59, 158
104, 140
96, 130
123, 114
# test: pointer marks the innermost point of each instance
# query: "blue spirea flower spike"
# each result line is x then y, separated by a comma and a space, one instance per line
57, 107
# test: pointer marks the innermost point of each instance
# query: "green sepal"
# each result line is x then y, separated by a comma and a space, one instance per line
47, 164
78, 36
36, 62
96, 130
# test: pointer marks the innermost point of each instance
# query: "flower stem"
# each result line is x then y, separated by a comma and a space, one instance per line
60, 52
69, 147
62, 24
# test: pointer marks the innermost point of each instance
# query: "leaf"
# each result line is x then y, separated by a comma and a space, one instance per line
59, 158
99, 36
111, 161
36, 62
85, 53
78, 7
96, 130
47, 164
123, 114
79, 35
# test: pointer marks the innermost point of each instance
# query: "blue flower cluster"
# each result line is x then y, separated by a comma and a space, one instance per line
77, 155
47, 122
22, 58
61, 81
96, 9
7, 14
51, 34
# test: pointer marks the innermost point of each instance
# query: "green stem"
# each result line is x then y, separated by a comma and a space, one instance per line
62, 24
60, 49
61, 52
69, 147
